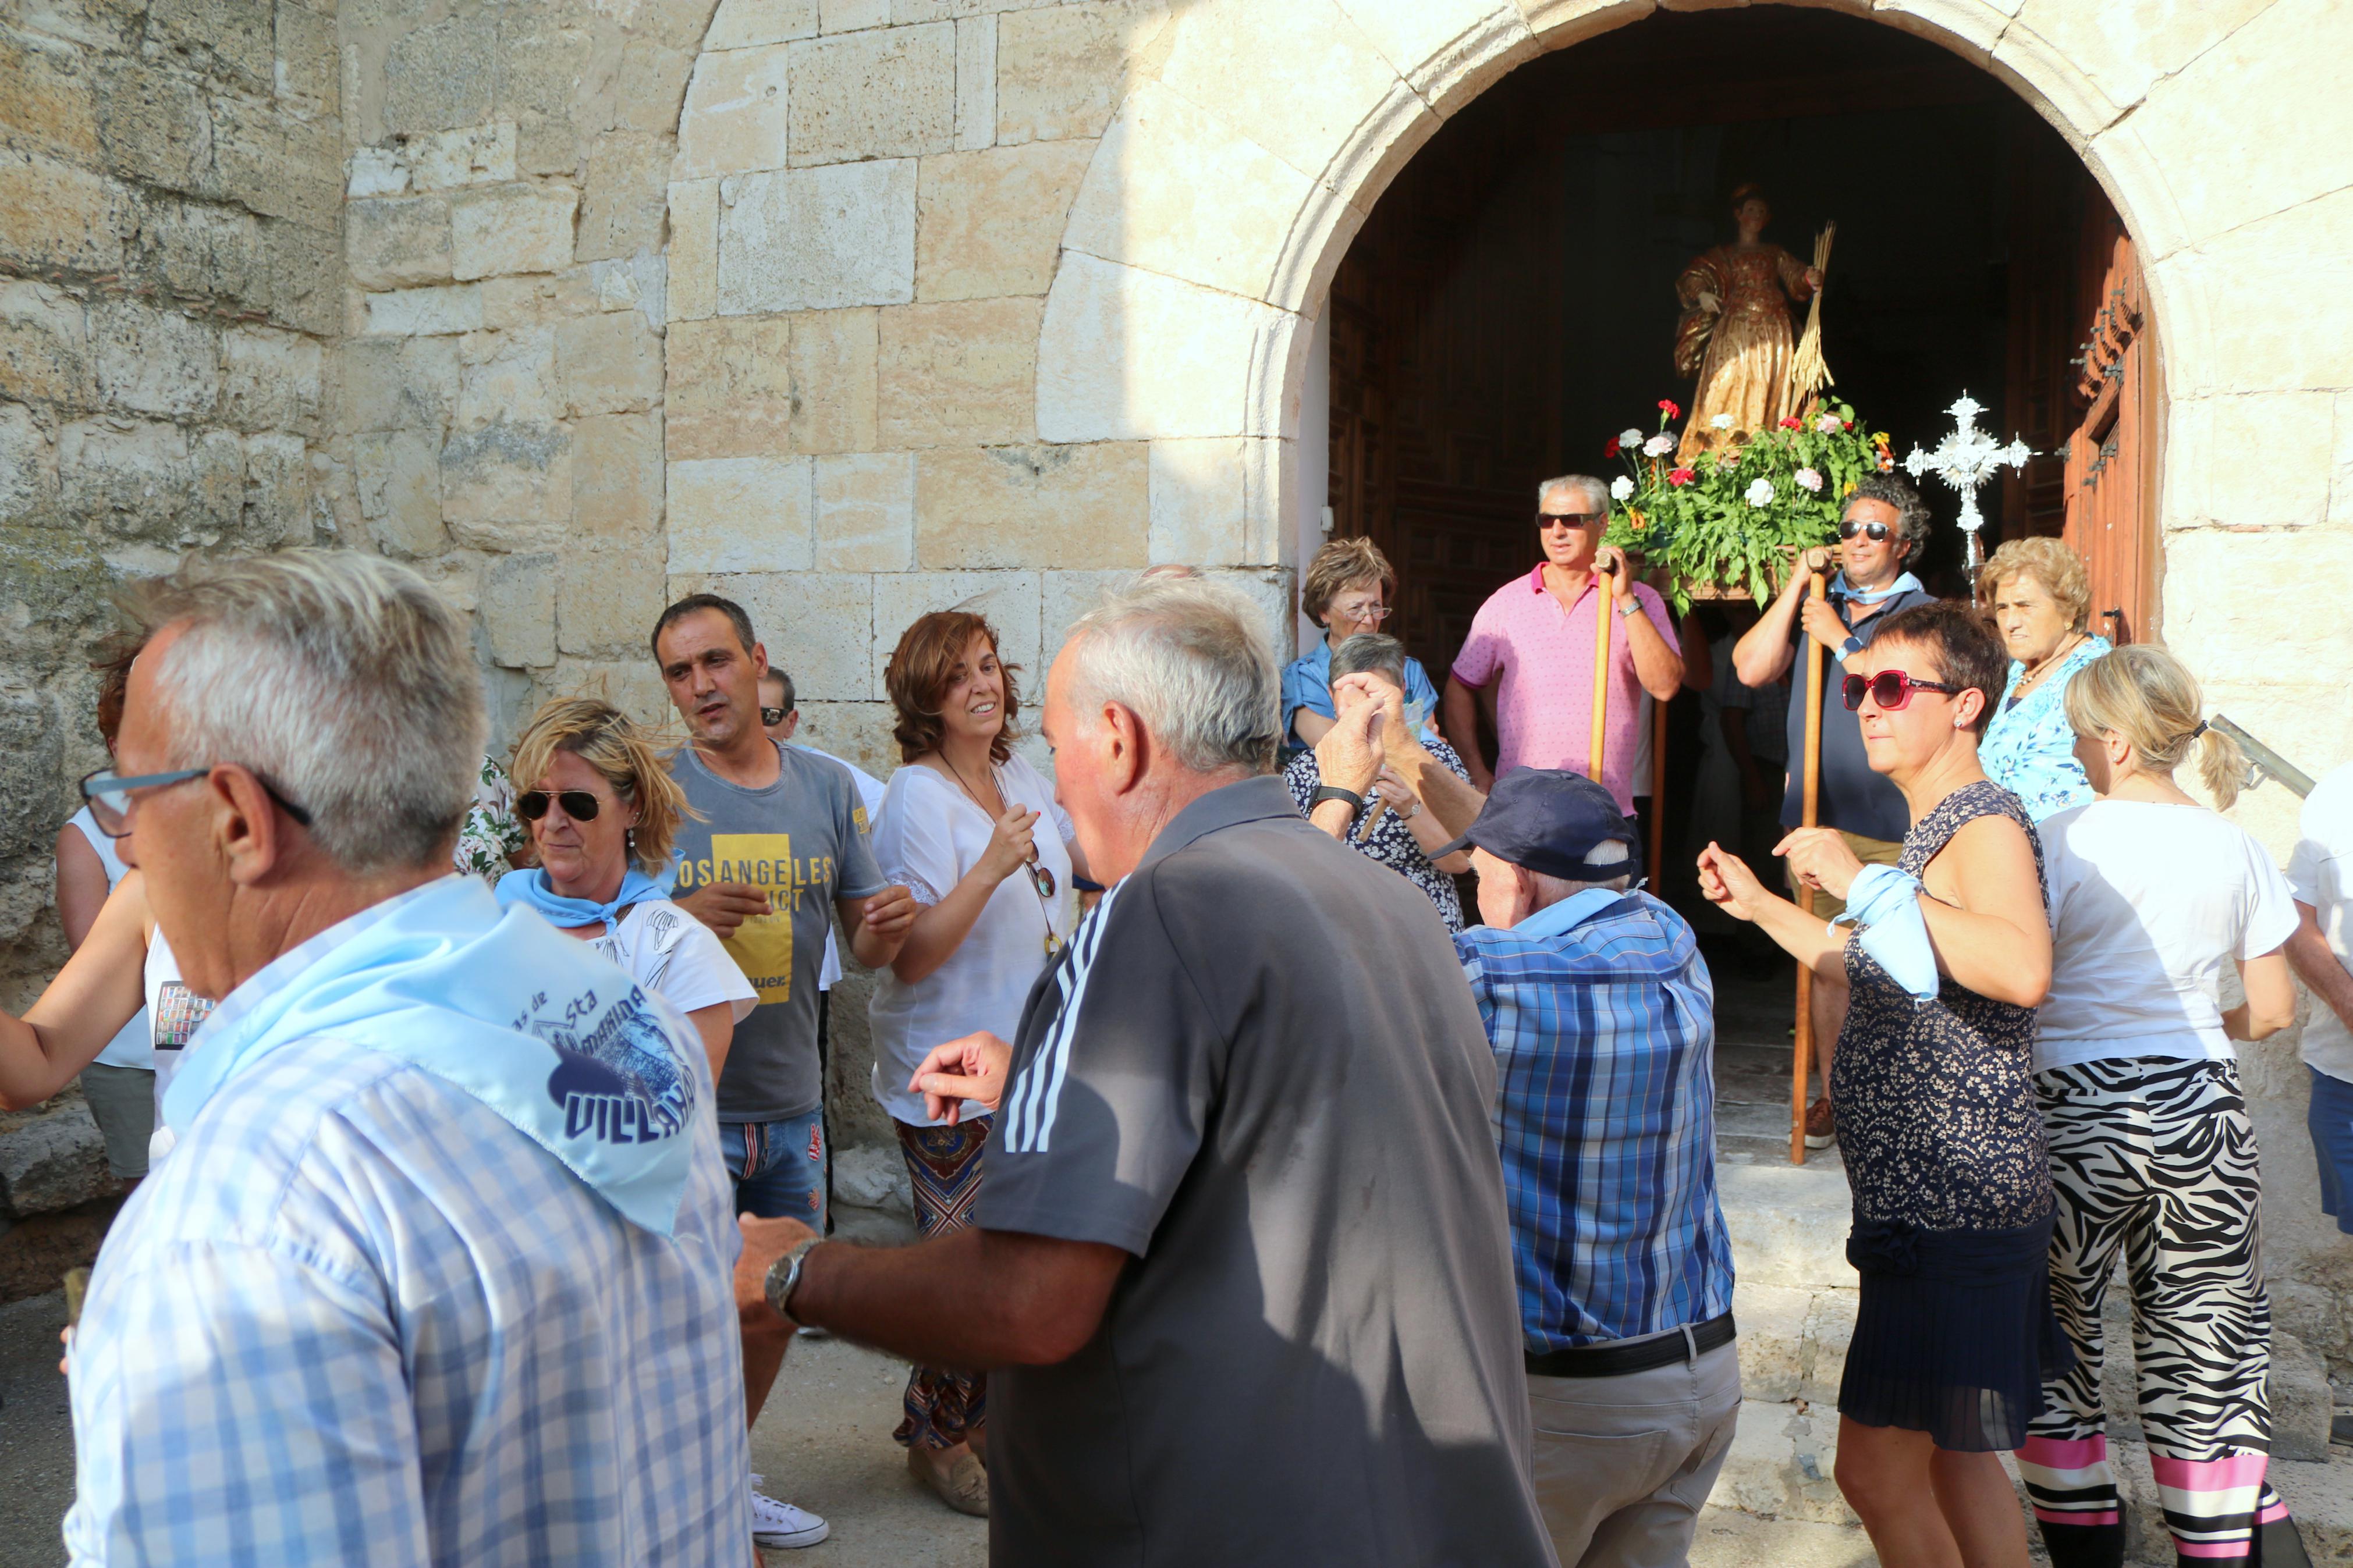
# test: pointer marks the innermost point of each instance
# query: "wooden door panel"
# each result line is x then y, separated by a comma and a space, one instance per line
2111, 453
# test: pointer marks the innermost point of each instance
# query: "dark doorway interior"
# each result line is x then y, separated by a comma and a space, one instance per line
1510, 304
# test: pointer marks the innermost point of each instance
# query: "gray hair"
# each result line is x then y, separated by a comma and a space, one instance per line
1190, 657
1551, 889
1370, 653
1595, 489
342, 680
1911, 512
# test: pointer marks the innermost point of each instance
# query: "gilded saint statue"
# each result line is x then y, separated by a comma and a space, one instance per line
1736, 334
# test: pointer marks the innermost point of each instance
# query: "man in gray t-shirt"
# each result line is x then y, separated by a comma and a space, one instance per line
780, 850
1241, 1275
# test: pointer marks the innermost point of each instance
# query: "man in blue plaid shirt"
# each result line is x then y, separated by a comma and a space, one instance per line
1602, 1020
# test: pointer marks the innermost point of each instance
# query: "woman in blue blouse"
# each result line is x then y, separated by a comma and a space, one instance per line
1345, 591
2039, 597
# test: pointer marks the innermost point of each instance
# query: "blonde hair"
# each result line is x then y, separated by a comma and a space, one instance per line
1338, 566
2145, 695
2049, 562
624, 753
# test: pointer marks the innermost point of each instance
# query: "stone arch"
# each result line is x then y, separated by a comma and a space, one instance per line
1223, 194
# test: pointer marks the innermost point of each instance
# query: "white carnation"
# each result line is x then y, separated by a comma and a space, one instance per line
1830, 424
1722, 422
1761, 493
1658, 446
1811, 479
1620, 487
1629, 438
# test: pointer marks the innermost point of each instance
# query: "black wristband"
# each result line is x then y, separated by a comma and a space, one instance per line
1334, 792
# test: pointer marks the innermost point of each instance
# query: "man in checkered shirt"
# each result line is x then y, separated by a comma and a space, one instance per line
1602, 1020
439, 1271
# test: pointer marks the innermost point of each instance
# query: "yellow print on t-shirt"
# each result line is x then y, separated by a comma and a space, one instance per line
763, 946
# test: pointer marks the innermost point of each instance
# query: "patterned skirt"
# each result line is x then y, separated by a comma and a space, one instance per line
944, 1169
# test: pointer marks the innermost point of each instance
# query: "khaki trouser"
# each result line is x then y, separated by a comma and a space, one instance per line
1623, 1464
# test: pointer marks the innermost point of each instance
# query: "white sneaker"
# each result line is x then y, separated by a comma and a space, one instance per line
780, 1524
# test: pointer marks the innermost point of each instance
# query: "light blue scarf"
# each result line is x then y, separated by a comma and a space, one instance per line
1848, 591
1886, 903
529, 887
529, 1021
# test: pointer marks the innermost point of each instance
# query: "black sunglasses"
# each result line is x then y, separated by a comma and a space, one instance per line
1571, 519
772, 717
110, 797
1042, 879
1877, 532
1891, 689
577, 803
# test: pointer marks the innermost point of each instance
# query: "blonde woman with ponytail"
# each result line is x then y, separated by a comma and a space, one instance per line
2154, 896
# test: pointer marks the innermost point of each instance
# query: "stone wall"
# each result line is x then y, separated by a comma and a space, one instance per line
169, 294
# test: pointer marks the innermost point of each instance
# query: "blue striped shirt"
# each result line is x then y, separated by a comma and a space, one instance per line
1602, 1018
358, 1318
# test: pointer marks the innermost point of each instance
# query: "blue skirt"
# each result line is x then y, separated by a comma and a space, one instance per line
1953, 1332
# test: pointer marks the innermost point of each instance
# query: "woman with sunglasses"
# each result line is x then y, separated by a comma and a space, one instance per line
959, 827
2156, 902
1943, 1144
602, 811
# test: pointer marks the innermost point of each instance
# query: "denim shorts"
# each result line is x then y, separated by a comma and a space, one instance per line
779, 1166
2331, 1120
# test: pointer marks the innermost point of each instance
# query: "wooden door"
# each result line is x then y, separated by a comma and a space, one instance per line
2111, 492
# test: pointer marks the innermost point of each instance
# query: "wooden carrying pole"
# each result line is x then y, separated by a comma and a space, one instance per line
1603, 612
1658, 797
1812, 764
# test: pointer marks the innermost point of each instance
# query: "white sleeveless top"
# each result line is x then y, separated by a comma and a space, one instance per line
129, 1047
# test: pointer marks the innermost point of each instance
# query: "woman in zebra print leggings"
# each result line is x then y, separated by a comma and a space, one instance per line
2152, 1154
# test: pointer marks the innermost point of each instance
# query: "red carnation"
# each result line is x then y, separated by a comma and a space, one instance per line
1680, 477
1610, 449
1791, 422
1668, 407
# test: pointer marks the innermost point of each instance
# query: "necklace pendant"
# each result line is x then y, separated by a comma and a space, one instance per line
1053, 944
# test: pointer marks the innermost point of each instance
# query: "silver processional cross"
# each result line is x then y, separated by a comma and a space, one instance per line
1965, 460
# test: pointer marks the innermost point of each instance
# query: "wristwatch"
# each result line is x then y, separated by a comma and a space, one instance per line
785, 1274
1334, 792
1849, 649
1632, 606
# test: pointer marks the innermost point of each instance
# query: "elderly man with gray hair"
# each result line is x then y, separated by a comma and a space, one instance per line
1240, 1276
437, 1270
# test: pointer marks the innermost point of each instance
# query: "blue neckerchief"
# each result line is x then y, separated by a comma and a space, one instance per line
1853, 594
532, 1023
1886, 903
529, 887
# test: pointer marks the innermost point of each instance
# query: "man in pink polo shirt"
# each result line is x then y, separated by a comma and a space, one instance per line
1532, 643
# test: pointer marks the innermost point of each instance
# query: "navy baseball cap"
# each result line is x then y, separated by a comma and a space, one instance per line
1550, 820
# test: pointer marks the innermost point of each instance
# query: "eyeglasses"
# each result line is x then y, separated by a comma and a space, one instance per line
1891, 690
772, 717
1375, 613
1877, 532
1571, 519
110, 797
577, 803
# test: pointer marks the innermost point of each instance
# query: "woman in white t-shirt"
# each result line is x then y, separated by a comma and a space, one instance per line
959, 826
602, 810
2154, 900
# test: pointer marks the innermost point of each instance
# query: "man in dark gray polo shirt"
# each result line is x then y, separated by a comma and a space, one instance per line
1242, 1277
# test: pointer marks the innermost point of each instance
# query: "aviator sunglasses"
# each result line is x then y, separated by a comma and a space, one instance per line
577, 803
1877, 532
1571, 519
1892, 689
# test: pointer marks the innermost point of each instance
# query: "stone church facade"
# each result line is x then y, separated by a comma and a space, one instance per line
855, 308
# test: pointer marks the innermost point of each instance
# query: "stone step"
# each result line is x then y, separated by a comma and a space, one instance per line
1784, 1457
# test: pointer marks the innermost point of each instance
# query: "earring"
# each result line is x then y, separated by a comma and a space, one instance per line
630, 841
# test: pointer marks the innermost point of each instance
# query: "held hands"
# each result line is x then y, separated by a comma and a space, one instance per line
764, 1241
724, 906
1350, 753
972, 1068
1820, 858
1725, 881
1012, 845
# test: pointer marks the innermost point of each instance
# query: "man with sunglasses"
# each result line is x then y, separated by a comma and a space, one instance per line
1881, 532
776, 851
1531, 648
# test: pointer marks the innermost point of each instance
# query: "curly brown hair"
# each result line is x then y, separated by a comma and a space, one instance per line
922, 668
1339, 566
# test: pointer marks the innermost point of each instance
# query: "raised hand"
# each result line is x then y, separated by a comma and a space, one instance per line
1725, 881
1350, 754
1818, 857
972, 1068
1011, 845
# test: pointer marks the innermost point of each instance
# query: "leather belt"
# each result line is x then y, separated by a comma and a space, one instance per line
1616, 1359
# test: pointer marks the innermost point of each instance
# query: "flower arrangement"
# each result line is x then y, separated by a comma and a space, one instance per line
1732, 520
